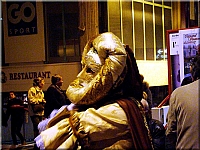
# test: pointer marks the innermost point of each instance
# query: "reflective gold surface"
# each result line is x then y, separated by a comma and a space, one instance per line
103, 61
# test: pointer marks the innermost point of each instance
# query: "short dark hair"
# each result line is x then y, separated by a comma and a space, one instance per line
12, 92
36, 81
195, 67
55, 78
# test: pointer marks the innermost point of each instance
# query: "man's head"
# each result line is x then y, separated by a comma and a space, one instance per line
38, 82
146, 109
12, 94
105, 65
195, 68
57, 80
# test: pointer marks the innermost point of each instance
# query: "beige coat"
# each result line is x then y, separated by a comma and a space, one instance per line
35, 96
107, 127
183, 116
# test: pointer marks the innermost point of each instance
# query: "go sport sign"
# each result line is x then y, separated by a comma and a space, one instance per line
22, 19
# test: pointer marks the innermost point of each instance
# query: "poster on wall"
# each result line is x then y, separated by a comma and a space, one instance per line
182, 46
189, 47
174, 46
20, 78
175, 63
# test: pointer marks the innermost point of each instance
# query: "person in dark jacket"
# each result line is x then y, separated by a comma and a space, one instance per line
55, 97
156, 128
15, 109
3, 116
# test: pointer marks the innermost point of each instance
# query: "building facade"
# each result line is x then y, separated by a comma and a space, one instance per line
47, 38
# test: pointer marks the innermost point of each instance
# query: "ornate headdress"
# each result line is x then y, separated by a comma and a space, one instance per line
103, 61
108, 67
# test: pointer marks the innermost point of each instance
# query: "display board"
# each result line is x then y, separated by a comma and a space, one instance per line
182, 47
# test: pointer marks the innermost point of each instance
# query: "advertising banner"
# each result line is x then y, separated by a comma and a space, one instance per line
22, 18
20, 78
189, 45
183, 46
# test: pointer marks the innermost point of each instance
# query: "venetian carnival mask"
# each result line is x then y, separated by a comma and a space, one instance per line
103, 61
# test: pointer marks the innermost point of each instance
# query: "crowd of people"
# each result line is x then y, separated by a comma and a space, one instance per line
108, 106
39, 108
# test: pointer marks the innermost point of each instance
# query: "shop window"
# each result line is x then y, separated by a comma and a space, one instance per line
62, 36
114, 17
158, 2
167, 3
159, 33
127, 23
149, 32
139, 31
142, 25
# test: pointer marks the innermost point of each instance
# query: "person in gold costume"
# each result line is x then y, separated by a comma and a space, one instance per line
106, 112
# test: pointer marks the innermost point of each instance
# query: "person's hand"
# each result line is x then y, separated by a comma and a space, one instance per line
72, 107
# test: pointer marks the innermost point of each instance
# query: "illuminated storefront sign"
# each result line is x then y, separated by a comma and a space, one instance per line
28, 75
24, 75
20, 78
22, 18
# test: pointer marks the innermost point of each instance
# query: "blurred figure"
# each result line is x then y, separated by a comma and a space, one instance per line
186, 80
147, 95
36, 103
183, 115
15, 109
55, 97
198, 49
156, 128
